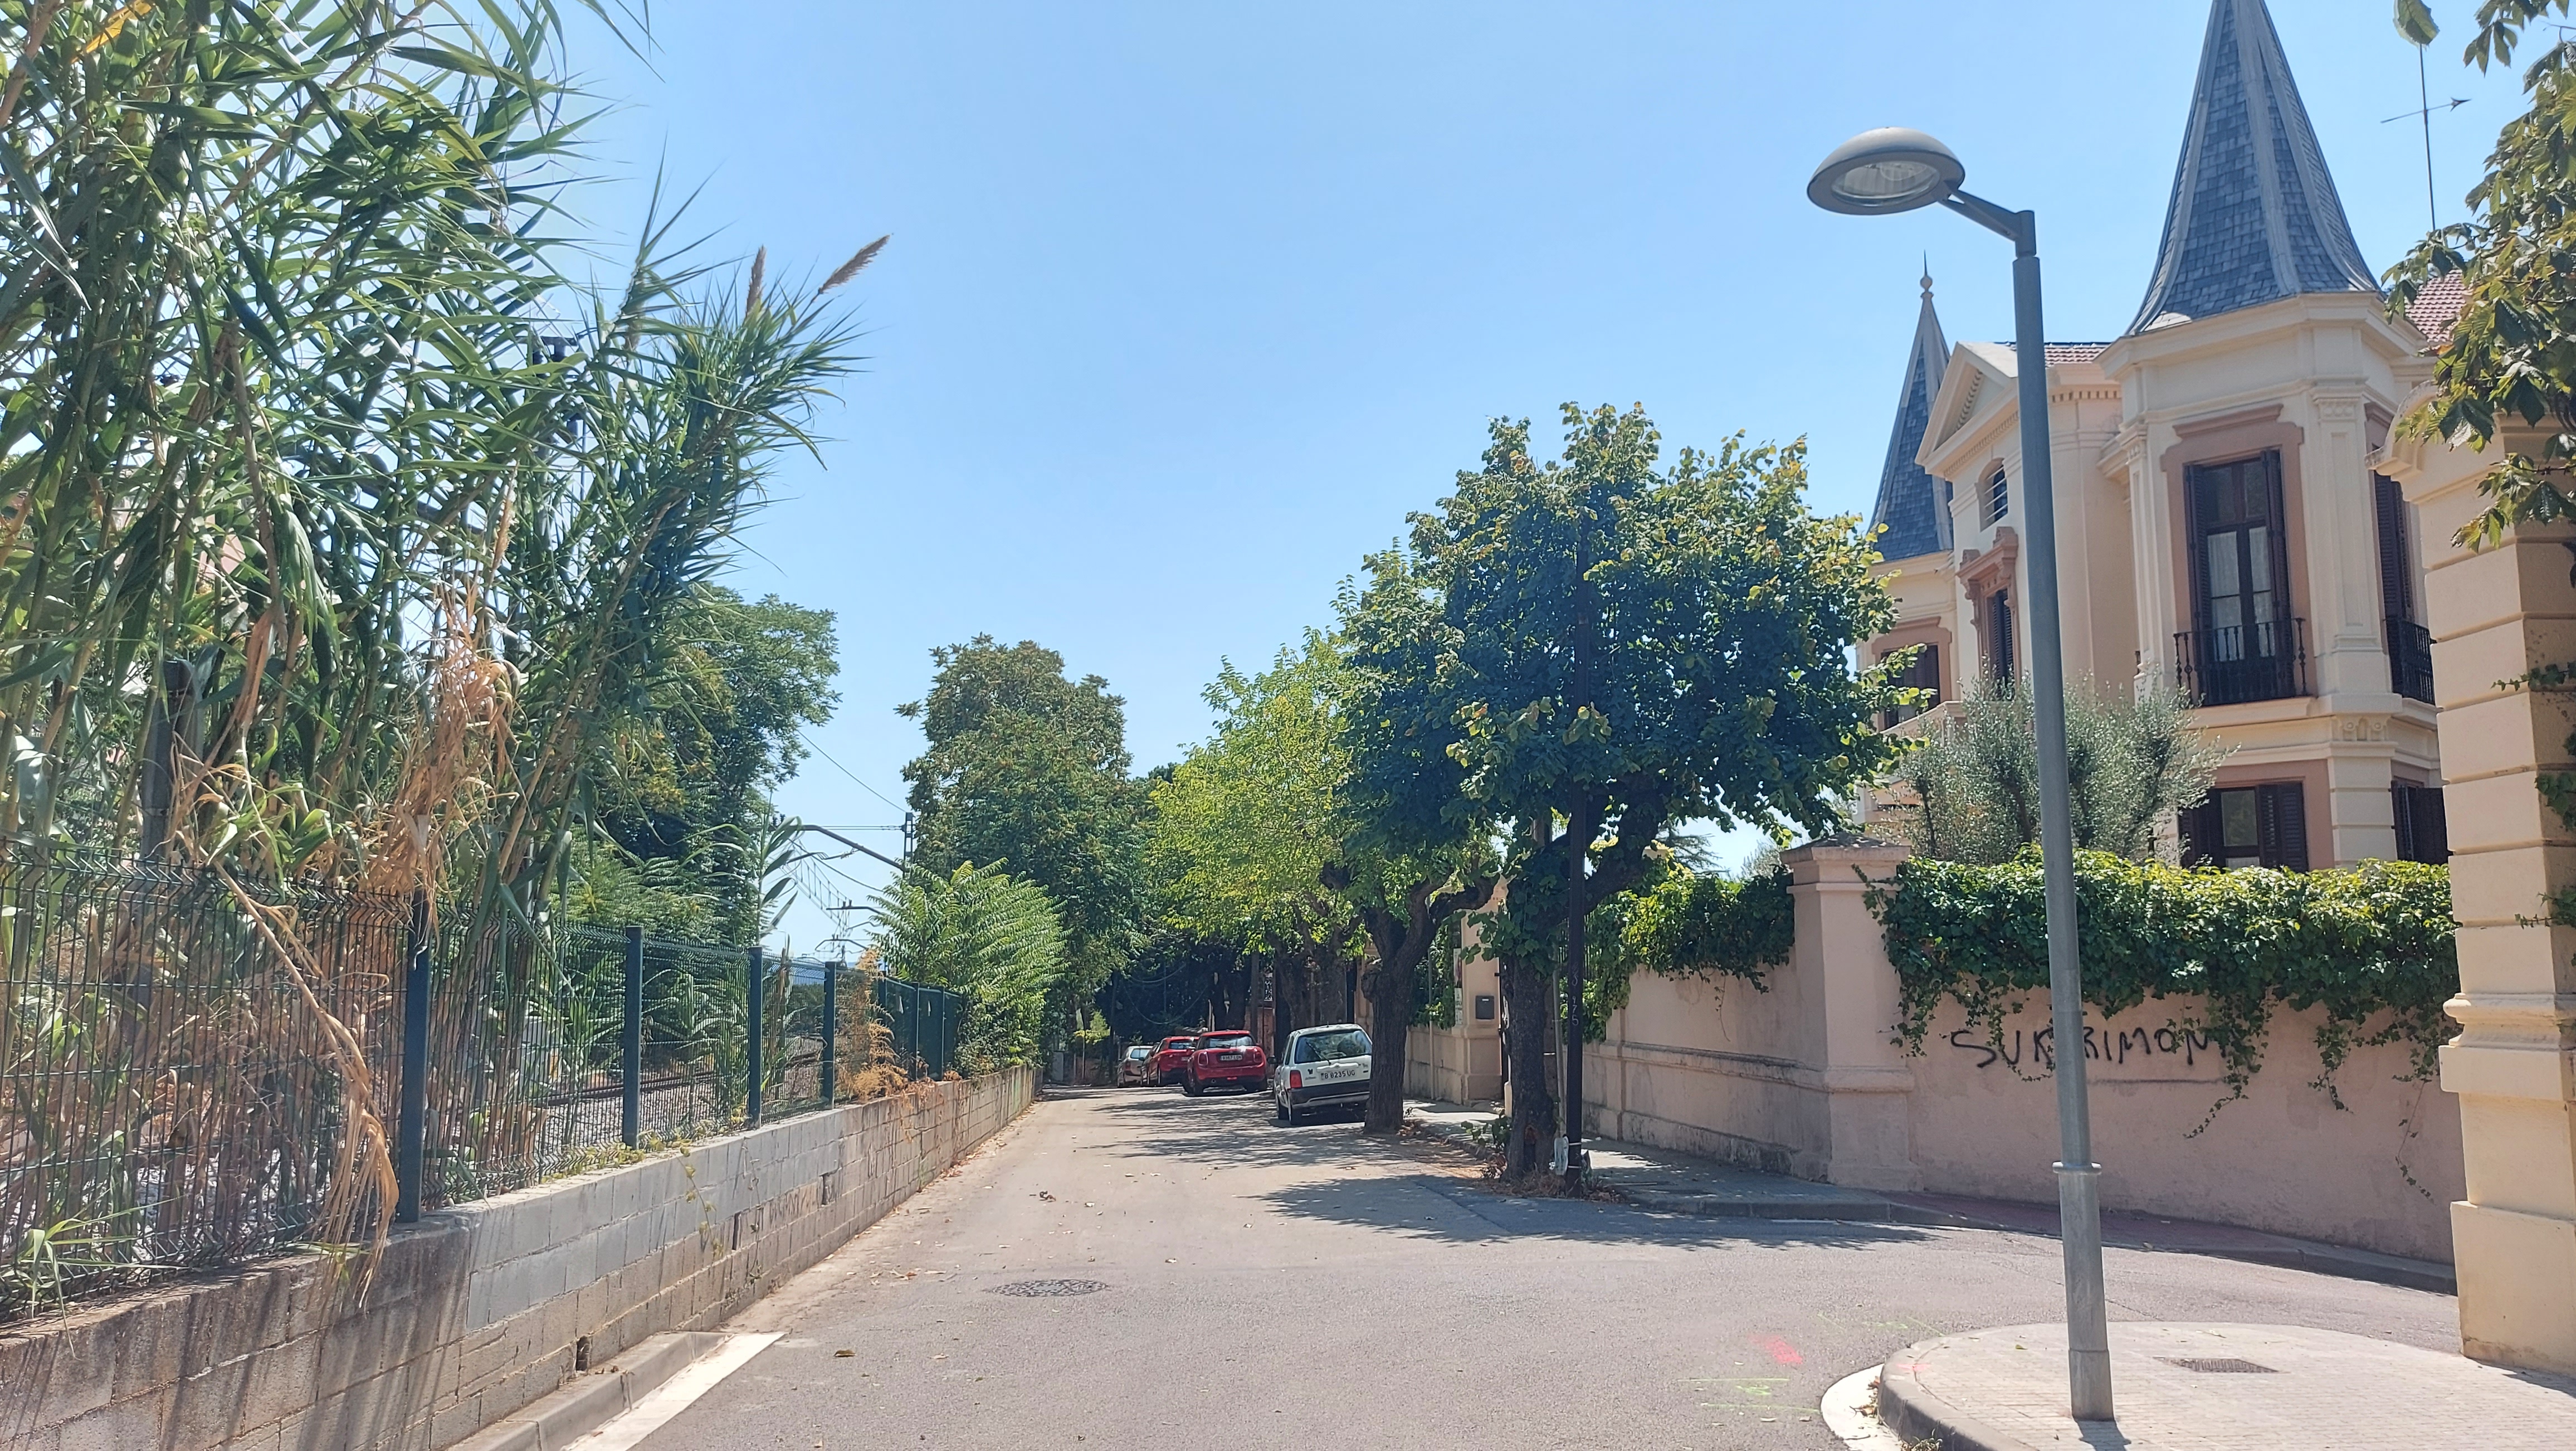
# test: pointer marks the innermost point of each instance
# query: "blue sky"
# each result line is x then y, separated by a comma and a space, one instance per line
1187, 305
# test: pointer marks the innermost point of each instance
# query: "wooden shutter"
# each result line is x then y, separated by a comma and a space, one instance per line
2001, 614
2198, 827
2396, 590
2283, 811
2401, 798
2432, 826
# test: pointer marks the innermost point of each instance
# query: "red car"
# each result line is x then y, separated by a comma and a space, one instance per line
1169, 1058
1225, 1060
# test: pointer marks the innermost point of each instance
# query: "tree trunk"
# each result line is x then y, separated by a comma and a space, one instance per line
1529, 999
1390, 1021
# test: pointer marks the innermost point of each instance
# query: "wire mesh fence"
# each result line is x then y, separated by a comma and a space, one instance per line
186, 1063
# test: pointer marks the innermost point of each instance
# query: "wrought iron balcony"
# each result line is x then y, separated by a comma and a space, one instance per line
2237, 663
2410, 660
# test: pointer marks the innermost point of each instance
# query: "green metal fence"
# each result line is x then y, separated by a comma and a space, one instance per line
195, 1075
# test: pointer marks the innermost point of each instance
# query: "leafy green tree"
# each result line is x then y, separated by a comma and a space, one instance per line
1974, 783
1247, 824
1028, 771
688, 792
2511, 356
984, 934
1625, 645
1415, 853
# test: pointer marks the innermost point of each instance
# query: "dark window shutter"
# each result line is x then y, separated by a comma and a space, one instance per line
2198, 827
2396, 593
2001, 619
2284, 814
2401, 797
2432, 826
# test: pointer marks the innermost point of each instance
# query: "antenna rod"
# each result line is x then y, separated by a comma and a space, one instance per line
2424, 94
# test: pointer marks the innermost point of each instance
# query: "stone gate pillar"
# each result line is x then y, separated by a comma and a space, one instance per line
2496, 614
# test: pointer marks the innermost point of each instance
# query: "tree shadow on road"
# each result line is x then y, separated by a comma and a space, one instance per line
1436, 1190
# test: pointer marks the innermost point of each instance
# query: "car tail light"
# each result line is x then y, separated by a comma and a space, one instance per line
1296, 1079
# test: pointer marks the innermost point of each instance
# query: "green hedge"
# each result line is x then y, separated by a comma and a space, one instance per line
1684, 925
2371, 945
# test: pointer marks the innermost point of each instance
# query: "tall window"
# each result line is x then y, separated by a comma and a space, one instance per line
2423, 831
2245, 644
1996, 502
1999, 637
2410, 645
1923, 675
2249, 826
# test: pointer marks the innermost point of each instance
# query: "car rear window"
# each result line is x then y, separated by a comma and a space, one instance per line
1226, 1040
1140, 1051
1327, 1047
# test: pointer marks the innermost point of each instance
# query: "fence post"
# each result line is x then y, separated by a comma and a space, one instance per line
831, 1033
411, 1123
630, 1119
751, 1057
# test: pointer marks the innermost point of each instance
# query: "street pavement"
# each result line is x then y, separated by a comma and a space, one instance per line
1263, 1286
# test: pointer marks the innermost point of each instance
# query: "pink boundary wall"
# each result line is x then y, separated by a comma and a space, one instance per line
1806, 1080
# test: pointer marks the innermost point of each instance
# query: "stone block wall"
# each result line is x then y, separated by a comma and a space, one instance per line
479, 1310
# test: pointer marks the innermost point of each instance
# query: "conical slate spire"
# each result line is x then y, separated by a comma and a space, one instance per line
2254, 216
1909, 499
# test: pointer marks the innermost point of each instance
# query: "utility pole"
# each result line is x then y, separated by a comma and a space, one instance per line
1579, 830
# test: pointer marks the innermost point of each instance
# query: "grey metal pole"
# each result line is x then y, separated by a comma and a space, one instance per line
2079, 1199
751, 1052
630, 1055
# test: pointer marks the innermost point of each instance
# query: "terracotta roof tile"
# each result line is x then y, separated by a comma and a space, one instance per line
2436, 309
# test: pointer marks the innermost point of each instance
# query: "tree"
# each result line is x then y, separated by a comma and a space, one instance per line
2511, 355
1974, 782
988, 936
1028, 771
688, 787
1247, 824
1415, 852
1623, 646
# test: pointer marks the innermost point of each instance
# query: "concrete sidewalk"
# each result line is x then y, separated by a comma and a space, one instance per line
2220, 1388
1671, 1182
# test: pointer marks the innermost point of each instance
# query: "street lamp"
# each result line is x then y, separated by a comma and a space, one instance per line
1899, 170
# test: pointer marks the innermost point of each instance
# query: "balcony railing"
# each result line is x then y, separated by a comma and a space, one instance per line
2410, 660
2238, 663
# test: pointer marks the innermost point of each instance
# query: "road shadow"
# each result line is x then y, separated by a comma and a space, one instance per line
1437, 1191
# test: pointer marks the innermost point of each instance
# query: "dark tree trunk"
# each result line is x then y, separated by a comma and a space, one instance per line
1529, 996
1401, 943
1390, 994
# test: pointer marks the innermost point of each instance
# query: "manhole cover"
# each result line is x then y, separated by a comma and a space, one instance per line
1049, 1289
2221, 1366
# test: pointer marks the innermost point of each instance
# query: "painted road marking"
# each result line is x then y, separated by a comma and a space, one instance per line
675, 1395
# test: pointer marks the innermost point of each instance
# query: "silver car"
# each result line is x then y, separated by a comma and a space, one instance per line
1325, 1067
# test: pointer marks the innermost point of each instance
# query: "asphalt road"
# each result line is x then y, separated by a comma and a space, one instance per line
1269, 1287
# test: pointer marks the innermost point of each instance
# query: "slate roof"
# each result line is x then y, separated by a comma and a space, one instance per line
1909, 498
2254, 216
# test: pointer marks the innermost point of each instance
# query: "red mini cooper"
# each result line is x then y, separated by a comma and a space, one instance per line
1169, 1058
1225, 1060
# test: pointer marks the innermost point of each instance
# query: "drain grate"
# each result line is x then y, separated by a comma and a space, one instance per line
1049, 1289
2221, 1365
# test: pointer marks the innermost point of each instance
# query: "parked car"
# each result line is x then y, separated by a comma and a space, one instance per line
1136, 1066
1225, 1060
1323, 1068
1169, 1058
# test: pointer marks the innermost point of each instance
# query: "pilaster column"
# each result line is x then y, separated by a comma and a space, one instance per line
2495, 615
1840, 956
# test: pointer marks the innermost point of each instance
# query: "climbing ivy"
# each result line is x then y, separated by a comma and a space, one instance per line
2371, 945
1683, 925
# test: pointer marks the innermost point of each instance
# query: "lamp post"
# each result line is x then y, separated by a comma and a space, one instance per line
1899, 170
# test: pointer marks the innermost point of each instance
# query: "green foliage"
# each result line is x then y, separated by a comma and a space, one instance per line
989, 936
1974, 782
1681, 923
1028, 771
2511, 357
685, 797
2372, 946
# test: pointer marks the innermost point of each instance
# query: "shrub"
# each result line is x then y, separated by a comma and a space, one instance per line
2372, 946
987, 935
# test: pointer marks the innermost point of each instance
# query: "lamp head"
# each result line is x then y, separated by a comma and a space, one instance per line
1892, 169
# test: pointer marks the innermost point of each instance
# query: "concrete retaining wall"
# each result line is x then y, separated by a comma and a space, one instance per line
477, 1311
